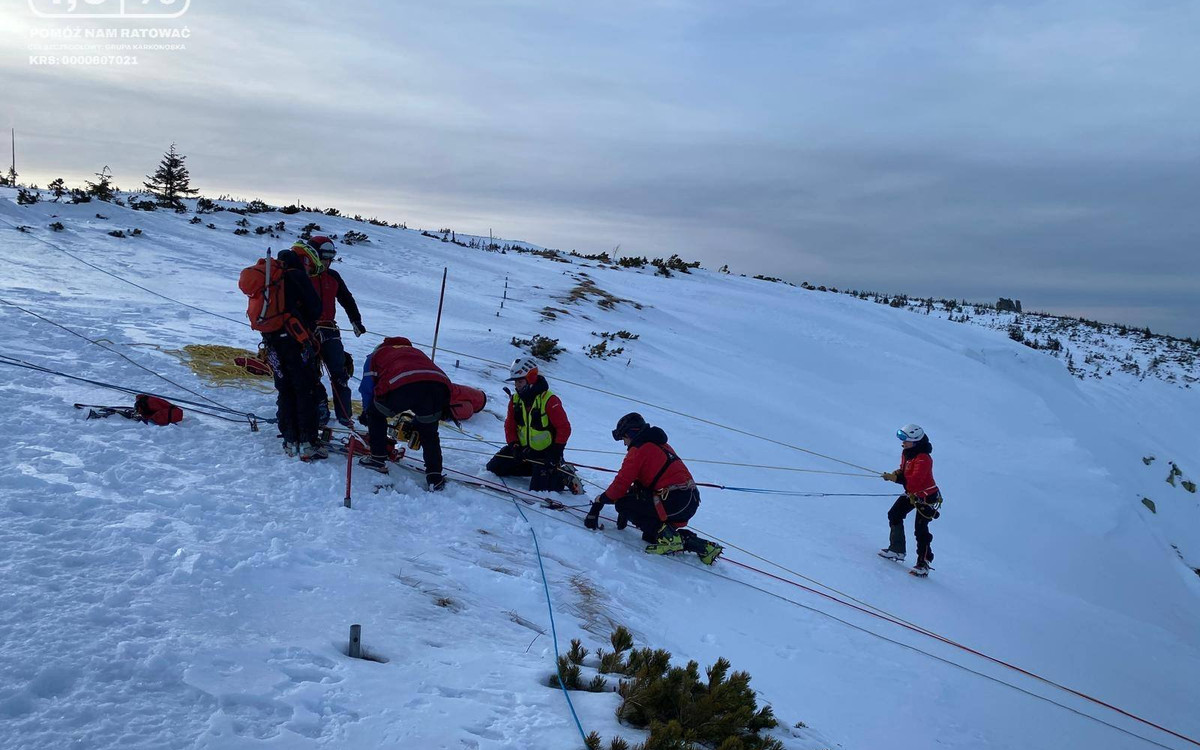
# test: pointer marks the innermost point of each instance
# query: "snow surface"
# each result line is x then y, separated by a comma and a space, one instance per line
190, 587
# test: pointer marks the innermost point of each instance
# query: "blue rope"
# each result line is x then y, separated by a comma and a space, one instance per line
550, 608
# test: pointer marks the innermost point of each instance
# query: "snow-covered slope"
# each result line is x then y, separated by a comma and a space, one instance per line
191, 587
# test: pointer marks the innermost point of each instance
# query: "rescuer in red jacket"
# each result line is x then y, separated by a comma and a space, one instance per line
655, 492
320, 252
398, 377
536, 430
920, 493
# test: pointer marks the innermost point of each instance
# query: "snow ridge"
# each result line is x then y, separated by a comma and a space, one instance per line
190, 587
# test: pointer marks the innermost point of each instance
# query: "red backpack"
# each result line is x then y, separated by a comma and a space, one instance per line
265, 307
157, 410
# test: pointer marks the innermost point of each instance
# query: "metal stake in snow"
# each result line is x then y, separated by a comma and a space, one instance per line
349, 466
438, 327
354, 651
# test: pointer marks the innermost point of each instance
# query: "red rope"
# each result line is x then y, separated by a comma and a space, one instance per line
914, 628
968, 649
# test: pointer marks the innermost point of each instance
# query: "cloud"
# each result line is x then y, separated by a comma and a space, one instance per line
1038, 150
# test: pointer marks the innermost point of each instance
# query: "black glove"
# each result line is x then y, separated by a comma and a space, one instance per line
592, 521
622, 521
518, 451
359, 328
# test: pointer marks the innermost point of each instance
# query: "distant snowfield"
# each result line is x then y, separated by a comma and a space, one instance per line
190, 587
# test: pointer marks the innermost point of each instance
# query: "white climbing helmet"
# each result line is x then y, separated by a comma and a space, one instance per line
910, 432
522, 367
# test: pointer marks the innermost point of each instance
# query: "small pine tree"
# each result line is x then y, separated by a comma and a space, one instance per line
578, 651
171, 181
102, 189
58, 189
10, 179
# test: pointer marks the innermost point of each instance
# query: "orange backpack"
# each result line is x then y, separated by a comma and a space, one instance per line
265, 307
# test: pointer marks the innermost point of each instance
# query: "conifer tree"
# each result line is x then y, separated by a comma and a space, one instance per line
103, 189
58, 188
171, 181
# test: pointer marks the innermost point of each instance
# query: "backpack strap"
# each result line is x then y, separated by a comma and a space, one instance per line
671, 458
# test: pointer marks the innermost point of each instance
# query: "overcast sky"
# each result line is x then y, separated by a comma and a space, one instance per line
1046, 151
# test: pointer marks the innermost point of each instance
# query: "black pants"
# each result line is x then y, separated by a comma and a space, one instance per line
334, 357
295, 387
901, 508
639, 509
428, 401
542, 468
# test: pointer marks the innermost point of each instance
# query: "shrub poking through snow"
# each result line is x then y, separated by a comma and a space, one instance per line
541, 347
621, 639
601, 350
578, 652
27, 197
570, 675
57, 226
682, 709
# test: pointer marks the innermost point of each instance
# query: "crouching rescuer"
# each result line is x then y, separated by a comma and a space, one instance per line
536, 429
399, 378
655, 492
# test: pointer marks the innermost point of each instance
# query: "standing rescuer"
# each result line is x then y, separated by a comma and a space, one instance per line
921, 494
331, 289
397, 377
283, 306
655, 492
536, 429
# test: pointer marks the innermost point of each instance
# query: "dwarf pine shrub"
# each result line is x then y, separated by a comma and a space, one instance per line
601, 351
541, 347
681, 709
578, 652
570, 675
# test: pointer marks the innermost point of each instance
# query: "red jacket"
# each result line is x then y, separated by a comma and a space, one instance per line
465, 401
330, 288
918, 475
643, 462
397, 362
559, 424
